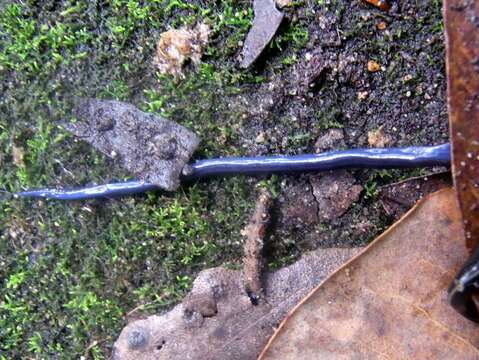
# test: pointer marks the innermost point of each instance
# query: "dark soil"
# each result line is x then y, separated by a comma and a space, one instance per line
330, 87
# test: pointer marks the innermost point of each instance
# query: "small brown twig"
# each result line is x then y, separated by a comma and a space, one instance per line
254, 233
87, 352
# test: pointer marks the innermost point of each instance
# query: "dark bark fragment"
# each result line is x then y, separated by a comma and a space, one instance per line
462, 45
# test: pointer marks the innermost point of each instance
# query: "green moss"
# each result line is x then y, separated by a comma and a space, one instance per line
73, 271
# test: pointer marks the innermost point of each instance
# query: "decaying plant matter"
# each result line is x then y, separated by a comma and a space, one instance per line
176, 46
391, 300
254, 234
217, 320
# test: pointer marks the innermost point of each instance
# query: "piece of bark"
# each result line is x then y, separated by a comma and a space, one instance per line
238, 330
390, 301
398, 198
149, 146
267, 19
254, 234
462, 61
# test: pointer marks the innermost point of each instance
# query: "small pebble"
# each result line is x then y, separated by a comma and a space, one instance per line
362, 95
378, 138
373, 66
381, 25
260, 138
137, 338
283, 3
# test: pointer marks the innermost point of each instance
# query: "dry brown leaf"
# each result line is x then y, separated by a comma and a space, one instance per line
18, 154
217, 320
389, 302
373, 66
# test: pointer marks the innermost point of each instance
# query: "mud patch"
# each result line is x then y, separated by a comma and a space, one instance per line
299, 207
332, 139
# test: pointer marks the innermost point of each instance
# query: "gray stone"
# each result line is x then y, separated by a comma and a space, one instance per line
151, 147
267, 19
137, 338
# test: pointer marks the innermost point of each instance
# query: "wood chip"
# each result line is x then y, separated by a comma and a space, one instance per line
18, 155
381, 4
254, 233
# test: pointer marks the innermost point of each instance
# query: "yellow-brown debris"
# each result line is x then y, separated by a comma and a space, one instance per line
373, 66
378, 138
176, 46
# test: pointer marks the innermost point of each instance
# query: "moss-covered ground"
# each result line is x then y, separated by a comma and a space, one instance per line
72, 273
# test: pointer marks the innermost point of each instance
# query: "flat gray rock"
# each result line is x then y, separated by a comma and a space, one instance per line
149, 146
267, 19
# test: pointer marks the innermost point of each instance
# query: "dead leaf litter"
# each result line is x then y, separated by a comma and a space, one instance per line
389, 300
176, 46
